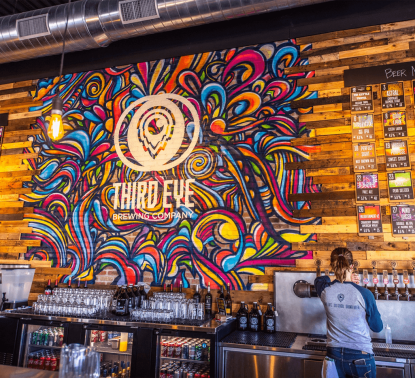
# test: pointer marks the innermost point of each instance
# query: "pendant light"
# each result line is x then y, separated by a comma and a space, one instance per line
55, 129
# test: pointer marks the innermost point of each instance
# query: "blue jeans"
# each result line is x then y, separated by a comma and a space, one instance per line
346, 368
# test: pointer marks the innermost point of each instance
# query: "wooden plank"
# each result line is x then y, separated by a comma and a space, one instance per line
22, 84
9, 146
319, 80
319, 101
319, 140
261, 279
19, 229
64, 271
324, 116
19, 106
374, 50
11, 96
11, 204
357, 255
6, 168
16, 210
346, 47
321, 124
326, 86
329, 229
308, 213
364, 264
337, 171
327, 108
397, 25
321, 196
32, 263
11, 159
17, 116
20, 243
338, 34
15, 191
18, 174
314, 164
8, 134
15, 223
16, 250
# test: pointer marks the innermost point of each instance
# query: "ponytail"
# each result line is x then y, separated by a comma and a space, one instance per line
340, 261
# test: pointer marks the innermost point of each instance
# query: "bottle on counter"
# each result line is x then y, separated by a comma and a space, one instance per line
114, 298
136, 292
269, 319
86, 285
70, 283
254, 318
242, 317
181, 287
79, 283
165, 288
208, 301
122, 308
171, 288
131, 297
221, 295
143, 294
48, 289
55, 287
228, 301
196, 295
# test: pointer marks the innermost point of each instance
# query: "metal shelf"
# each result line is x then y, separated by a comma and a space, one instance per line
44, 346
108, 350
184, 360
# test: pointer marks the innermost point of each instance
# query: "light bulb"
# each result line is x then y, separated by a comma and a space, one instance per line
55, 130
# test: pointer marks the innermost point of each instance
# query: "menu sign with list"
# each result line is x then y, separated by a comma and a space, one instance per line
393, 95
396, 153
394, 124
400, 186
364, 157
369, 220
403, 220
367, 187
362, 128
361, 99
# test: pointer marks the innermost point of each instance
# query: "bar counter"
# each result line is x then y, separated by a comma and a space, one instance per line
19, 372
300, 355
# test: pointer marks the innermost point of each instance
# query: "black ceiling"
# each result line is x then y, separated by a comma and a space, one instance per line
8, 7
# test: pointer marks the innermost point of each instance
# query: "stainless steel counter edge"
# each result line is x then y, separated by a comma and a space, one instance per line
297, 349
211, 326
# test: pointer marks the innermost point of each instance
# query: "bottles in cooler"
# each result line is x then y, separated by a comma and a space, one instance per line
44, 359
115, 370
47, 337
208, 301
183, 370
185, 348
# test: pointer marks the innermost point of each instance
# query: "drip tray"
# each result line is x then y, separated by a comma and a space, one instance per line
276, 340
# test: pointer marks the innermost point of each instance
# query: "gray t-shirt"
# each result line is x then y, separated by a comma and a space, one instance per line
351, 312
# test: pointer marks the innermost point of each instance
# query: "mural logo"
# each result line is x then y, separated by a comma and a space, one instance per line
156, 132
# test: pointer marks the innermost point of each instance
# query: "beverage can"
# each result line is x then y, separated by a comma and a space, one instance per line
34, 338
60, 337
185, 351
178, 350
36, 361
102, 336
198, 352
197, 375
163, 373
47, 363
53, 363
164, 346
51, 338
94, 336
190, 374
177, 374
110, 335
170, 349
169, 373
192, 351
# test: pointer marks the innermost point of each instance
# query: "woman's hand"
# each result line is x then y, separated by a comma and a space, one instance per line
356, 278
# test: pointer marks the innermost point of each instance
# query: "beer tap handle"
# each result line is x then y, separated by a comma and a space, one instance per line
318, 269
356, 265
405, 275
375, 280
386, 282
365, 277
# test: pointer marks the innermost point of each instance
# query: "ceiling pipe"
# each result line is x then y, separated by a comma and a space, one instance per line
97, 23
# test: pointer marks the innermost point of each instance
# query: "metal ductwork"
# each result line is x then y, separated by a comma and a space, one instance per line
97, 23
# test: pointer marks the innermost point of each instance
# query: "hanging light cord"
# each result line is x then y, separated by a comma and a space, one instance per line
63, 46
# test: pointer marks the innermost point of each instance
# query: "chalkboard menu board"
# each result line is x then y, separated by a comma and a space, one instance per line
367, 187
364, 157
397, 156
369, 220
403, 220
400, 186
393, 95
361, 99
394, 124
362, 128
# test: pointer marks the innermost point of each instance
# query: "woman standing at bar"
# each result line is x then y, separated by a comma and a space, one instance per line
351, 312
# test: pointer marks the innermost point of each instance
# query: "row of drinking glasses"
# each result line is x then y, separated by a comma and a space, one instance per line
183, 309
155, 316
169, 296
64, 309
101, 303
66, 291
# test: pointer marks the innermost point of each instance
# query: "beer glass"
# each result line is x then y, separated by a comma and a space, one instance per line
78, 361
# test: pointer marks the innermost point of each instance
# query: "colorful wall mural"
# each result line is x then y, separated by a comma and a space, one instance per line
234, 173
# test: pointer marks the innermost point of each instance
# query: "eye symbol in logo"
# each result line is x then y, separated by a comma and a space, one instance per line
156, 132
340, 297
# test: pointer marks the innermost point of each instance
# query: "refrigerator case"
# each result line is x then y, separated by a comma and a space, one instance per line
41, 343
185, 352
117, 347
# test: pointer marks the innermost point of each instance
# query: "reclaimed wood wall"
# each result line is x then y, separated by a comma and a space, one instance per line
16, 117
328, 119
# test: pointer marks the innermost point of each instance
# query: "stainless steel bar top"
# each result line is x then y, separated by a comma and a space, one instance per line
18, 372
209, 326
297, 349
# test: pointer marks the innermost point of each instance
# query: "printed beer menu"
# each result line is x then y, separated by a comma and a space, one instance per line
400, 186
396, 153
403, 220
361, 99
393, 95
362, 128
394, 124
367, 187
364, 157
369, 219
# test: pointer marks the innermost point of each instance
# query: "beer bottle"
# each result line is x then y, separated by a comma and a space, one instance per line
181, 287
55, 287
242, 317
136, 292
131, 297
114, 298
269, 320
48, 289
122, 308
254, 318
228, 301
196, 295
221, 295
143, 294
208, 301
79, 283
86, 285
70, 283
171, 288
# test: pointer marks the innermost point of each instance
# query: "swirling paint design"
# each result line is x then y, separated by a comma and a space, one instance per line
242, 221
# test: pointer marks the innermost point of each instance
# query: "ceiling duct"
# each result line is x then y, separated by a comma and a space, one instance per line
97, 23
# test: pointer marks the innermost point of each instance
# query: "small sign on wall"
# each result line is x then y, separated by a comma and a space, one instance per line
400, 186
403, 220
393, 95
369, 220
367, 187
394, 124
364, 157
361, 99
362, 128
396, 153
